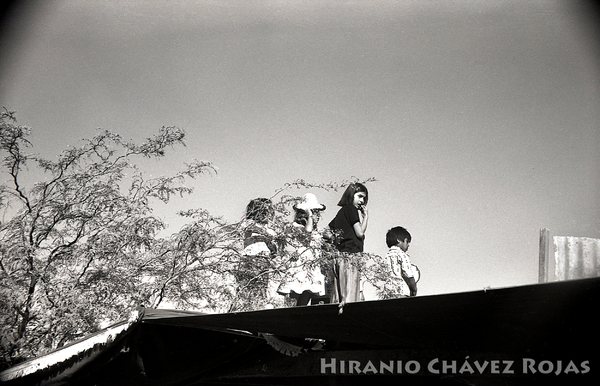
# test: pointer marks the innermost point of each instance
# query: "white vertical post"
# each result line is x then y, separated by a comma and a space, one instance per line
544, 248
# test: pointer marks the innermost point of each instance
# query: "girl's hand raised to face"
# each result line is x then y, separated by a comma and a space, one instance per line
363, 210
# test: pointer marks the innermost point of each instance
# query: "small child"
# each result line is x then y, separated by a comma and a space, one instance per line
254, 270
406, 274
304, 281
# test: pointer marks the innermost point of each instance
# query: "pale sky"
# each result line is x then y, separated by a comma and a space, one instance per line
479, 119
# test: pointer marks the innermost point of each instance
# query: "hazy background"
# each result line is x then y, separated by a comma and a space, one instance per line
479, 119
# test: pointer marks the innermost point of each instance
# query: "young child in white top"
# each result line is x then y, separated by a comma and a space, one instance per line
405, 274
302, 283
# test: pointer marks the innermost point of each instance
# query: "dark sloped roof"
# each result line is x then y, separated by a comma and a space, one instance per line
299, 345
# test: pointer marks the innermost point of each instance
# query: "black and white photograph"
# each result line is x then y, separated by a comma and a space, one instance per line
299, 192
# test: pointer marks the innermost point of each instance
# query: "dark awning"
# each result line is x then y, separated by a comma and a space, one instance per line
545, 330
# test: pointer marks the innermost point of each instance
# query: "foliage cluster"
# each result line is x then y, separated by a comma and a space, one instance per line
79, 248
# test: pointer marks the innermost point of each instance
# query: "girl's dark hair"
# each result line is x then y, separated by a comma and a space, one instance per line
260, 210
353, 188
396, 234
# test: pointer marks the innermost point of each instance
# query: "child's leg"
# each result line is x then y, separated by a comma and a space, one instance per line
349, 281
353, 284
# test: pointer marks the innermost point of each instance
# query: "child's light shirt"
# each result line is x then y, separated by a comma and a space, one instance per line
256, 239
401, 268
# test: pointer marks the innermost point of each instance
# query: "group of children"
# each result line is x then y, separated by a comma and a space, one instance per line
339, 279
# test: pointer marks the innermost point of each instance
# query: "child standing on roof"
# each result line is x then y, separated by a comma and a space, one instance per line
351, 222
304, 280
253, 271
404, 274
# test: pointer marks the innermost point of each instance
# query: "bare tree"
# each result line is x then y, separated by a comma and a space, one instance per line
78, 247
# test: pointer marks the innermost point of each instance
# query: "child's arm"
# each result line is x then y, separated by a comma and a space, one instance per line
412, 285
309, 221
360, 227
408, 274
